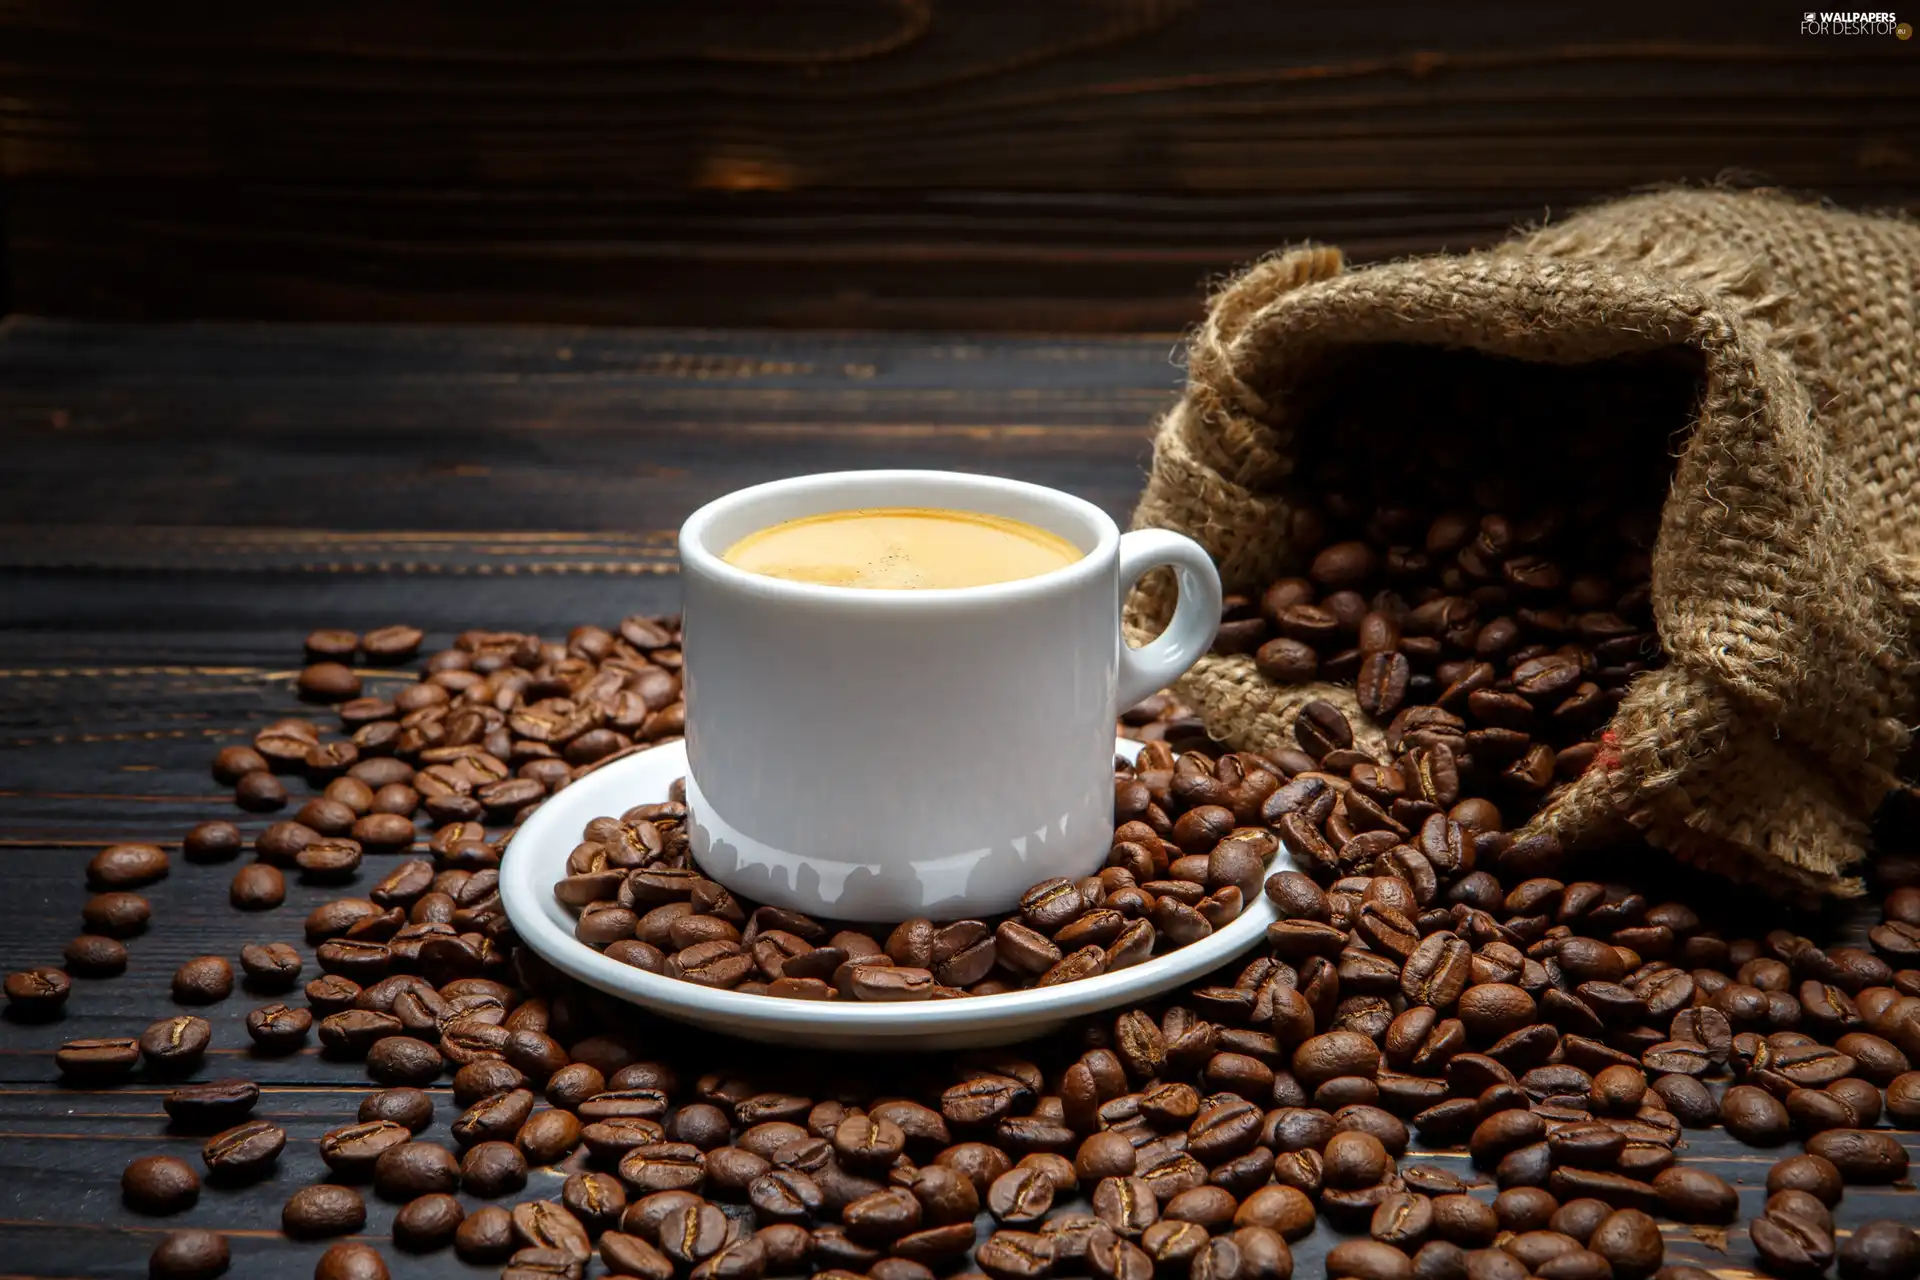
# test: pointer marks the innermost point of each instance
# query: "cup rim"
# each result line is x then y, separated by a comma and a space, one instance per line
696, 556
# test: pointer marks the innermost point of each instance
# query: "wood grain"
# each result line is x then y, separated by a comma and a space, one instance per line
1082, 164
187, 503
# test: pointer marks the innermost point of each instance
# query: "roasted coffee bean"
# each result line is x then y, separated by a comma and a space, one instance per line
92, 956
116, 914
1754, 1116
276, 1028
38, 993
663, 1166
126, 866
260, 792
596, 1199
883, 1216
1353, 1159
1880, 1251
352, 1149
1504, 1132
866, 1142
1524, 1208
948, 1196
349, 1261
191, 1254
315, 1212
216, 1104
257, 887
245, 1152
491, 1169
403, 1060
1278, 1208
1691, 1102
483, 1078
630, 1255
1790, 1246
1694, 1195
1368, 1260
548, 1136
428, 1223
216, 841
1812, 1174
413, 1169
328, 682
692, 1233
159, 1185
1403, 1220
391, 644
1336, 1053
700, 1124
1173, 1245
1025, 1255
1464, 1220
485, 1235
1020, 1196
1861, 1156
1127, 1205
270, 966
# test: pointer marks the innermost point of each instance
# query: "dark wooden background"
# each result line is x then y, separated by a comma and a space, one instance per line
986, 164
179, 503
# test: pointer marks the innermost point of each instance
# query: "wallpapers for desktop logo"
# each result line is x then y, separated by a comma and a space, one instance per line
1814, 23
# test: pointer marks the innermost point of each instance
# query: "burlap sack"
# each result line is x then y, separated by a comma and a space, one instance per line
1784, 570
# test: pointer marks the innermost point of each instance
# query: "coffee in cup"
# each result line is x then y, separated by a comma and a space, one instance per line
903, 549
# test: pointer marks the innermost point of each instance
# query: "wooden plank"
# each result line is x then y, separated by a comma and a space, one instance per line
1084, 164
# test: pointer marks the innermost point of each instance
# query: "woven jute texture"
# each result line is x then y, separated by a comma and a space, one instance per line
1788, 550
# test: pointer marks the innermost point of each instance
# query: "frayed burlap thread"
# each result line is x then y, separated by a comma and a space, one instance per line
1783, 568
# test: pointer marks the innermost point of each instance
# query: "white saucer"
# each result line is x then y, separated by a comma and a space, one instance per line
537, 858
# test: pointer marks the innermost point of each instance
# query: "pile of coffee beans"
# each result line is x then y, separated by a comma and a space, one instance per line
1485, 593
1188, 852
1432, 980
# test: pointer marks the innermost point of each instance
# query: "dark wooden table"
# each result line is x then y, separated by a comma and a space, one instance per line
181, 505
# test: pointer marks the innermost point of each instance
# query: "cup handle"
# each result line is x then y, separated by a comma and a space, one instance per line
1150, 668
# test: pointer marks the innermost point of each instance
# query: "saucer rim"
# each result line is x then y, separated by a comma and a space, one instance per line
539, 848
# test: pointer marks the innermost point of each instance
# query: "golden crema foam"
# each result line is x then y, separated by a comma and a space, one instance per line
902, 549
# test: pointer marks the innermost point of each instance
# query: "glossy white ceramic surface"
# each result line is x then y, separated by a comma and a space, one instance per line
537, 857
876, 755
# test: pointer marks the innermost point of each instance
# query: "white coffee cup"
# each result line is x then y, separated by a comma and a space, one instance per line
874, 755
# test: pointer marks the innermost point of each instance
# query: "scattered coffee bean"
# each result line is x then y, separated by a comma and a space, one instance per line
348, 1261
260, 793
97, 1060
37, 993
190, 1254
1791, 1246
203, 980
177, 1043
116, 914
212, 1106
403, 1106
1880, 1251
245, 1152
493, 1169
126, 866
215, 841
427, 1223
414, 1169
257, 886
159, 1184
315, 1212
